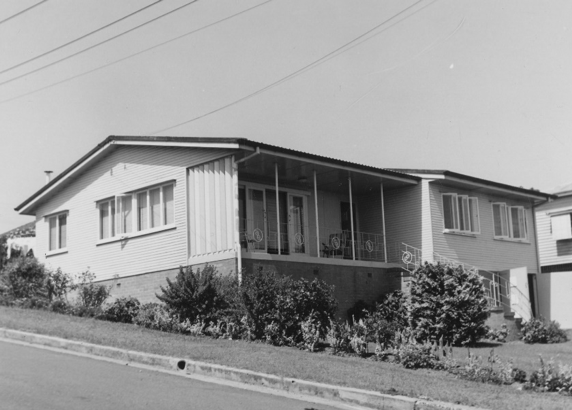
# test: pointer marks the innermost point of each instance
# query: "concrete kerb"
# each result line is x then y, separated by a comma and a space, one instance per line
342, 394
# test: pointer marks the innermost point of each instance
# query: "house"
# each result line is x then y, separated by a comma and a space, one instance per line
554, 221
134, 209
20, 241
484, 225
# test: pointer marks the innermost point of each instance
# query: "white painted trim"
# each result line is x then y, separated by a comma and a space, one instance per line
178, 144
136, 234
345, 167
212, 257
56, 252
72, 172
494, 188
559, 211
301, 257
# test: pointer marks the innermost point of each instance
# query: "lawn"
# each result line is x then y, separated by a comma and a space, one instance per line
319, 367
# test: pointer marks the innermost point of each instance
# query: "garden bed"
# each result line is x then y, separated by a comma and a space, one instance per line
321, 367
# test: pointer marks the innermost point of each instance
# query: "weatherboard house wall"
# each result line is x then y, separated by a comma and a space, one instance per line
555, 252
482, 249
126, 169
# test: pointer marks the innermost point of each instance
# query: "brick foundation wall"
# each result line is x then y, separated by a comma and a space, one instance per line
145, 286
351, 283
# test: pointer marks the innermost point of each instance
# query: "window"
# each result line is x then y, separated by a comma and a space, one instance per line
509, 222
561, 226
57, 226
461, 213
139, 211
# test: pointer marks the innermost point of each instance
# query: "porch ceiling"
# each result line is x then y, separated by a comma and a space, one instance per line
299, 174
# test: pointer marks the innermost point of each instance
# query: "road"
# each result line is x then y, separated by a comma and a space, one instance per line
32, 378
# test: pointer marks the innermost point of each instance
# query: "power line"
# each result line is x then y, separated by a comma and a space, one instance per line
22, 12
138, 53
307, 67
96, 45
78, 39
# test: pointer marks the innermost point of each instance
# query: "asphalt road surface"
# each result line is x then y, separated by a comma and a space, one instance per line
32, 378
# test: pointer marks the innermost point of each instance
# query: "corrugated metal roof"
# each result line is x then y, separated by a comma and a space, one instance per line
530, 192
210, 140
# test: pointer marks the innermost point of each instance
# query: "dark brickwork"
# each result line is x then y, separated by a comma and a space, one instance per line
351, 283
145, 286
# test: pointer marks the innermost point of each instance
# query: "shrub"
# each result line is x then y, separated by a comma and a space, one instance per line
22, 278
194, 295
548, 378
338, 337
498, 335
157, 317
58, 284
536, 330
275, 306
90, 296
413, 355
389, 317
122, 310
448, 302
495, 371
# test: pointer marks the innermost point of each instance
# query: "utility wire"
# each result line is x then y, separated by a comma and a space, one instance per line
96, 45
77, 39
138, 53
307, 67
22, 12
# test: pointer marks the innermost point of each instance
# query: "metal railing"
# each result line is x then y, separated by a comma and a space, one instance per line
289, 239
500, 292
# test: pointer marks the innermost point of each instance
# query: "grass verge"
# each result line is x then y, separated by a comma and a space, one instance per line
324, 368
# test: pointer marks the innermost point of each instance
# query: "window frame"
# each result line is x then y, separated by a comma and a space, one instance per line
463, 215
557, 234
58, 248
507, 223
124, 228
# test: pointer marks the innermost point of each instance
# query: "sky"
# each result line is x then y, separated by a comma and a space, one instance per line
481, 88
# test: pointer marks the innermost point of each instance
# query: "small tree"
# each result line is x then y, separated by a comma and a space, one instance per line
194, 295
448, 302
23, 278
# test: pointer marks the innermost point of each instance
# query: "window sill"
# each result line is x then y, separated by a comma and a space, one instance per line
525, 241
57, 252
450, 232
135, 234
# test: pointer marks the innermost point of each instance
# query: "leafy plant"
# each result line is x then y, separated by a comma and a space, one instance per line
448, 302
498, 335
122, 310
496, 371
157, 317
90, 296
194, 295
23, 278
58, 283
548, 378
537, 330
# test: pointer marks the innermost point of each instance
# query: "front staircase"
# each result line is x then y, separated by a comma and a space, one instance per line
508, 304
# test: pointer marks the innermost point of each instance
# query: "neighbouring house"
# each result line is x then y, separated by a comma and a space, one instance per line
134, 209
554, 221
484, 225
20, 241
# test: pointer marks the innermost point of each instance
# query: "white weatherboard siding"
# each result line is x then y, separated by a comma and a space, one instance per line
211, 219
123, 170
554, 288
551, 251
555, 297
403, 218
482, 250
